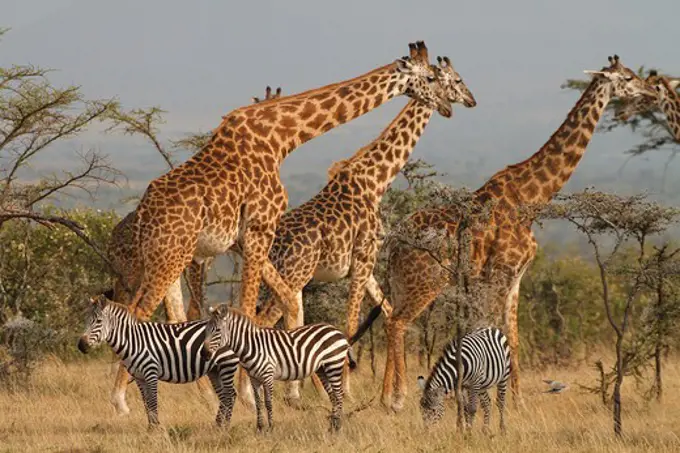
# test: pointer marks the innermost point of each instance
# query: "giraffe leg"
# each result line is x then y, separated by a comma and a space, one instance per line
363, 260
195, 278
388, 378
373, 289
174, 303
118, 392
399, 366
292, 397
512, 333
195, 281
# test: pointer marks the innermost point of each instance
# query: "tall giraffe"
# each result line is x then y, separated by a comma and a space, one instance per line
230, 192
337, 233
667, 99
120, 251
508, 243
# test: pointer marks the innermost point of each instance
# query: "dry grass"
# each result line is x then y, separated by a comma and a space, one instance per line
66, 409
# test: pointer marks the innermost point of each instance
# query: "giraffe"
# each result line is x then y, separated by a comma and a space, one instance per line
667, 99
119, 251
337, 233
231, 193
507, 242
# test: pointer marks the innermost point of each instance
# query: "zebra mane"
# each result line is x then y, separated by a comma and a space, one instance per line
122, 309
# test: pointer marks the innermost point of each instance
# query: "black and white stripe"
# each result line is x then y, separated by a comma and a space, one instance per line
485, 357
269, 354
154, 352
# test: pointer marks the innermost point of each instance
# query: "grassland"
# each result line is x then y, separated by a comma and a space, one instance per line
65, 408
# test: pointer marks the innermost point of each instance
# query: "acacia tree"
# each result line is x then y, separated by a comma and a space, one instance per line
661, 317
609, 223
466, 300
35, 114
651, 125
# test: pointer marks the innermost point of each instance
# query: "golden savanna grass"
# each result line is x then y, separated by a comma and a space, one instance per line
66, 408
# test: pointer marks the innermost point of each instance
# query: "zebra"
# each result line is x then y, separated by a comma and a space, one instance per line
486, 362
154, 352
269, 354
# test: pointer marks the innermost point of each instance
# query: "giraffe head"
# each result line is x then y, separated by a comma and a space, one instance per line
624, 83
419, 80
663, 87
452, 84
96, 326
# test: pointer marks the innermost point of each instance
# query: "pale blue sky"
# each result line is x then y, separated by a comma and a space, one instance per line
200, 59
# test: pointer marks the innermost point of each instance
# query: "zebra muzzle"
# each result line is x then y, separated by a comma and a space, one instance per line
83, 346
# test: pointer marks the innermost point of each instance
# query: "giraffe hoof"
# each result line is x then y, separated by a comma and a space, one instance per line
120, 405
386, 402
294, 401
398, 404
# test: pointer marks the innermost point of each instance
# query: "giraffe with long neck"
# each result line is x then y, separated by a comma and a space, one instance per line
337, 233
120, 252
507, 242
230, 192
667, 100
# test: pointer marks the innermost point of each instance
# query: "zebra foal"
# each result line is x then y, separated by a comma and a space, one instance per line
269, 354
154, 352
485, 357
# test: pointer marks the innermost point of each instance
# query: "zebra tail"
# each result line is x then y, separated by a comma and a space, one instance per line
351, 359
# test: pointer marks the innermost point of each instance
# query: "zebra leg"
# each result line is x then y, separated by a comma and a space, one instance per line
148, 387
486, 407
214, 377
471, 407
258, 402
268, 393
321, 374
500, 401
334, 375
228, 391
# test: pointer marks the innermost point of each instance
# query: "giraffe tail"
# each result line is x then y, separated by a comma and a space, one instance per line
372, 316
351, 359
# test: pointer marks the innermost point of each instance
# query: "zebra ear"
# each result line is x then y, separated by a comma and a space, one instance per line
421, 382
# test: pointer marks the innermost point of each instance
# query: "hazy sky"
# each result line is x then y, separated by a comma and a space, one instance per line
200, 59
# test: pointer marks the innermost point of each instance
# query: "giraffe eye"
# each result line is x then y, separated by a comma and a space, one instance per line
430, 79
628, 78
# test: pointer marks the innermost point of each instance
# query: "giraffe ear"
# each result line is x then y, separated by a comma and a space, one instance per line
674, 83
403, 64
590, 71
421, 382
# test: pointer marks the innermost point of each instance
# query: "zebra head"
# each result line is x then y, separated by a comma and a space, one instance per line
96, 326
432, 401
215, 335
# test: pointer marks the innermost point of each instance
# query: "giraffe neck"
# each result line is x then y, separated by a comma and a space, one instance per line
541, 176
283, 124
670, 105
376, 165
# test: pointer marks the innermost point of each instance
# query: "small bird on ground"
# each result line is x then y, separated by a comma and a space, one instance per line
555, 386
